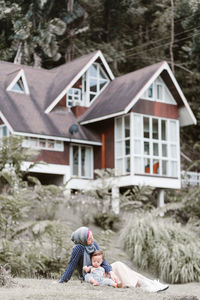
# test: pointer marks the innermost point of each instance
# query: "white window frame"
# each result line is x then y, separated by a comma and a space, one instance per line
86, 84
2, 126
172, 140
75, 95
166, 94
91, 170
160, 158
123, 139
20, 75
29, 142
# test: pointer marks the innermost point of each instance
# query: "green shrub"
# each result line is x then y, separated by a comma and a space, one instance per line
106, 220
41, 250
167, 248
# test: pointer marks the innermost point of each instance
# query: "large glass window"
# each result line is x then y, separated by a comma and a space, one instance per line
123, 145
159, 139
154, 142
81, 161
94, 80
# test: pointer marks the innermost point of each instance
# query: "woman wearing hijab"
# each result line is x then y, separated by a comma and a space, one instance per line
85, 245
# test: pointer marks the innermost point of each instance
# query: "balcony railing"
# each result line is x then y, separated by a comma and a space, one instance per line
190, 178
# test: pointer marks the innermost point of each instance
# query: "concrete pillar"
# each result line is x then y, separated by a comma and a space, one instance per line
115, 200
161, 200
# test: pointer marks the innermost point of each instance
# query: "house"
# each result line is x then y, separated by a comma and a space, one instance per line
82, 118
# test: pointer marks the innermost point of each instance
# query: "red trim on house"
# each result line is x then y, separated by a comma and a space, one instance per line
105, 127
103, 151
157, 109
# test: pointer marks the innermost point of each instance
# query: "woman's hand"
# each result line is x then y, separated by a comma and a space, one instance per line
113, 276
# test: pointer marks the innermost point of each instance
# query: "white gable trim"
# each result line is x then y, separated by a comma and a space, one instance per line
194, 121
74, 80
6, 123
187, 108
166, 67
14, 81
102, 118
41, 136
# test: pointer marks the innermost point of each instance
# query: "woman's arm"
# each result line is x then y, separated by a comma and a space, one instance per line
77, 253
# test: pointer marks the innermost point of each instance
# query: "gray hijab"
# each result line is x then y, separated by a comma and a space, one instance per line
80, 236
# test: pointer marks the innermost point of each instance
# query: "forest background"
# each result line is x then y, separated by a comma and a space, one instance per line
131, 34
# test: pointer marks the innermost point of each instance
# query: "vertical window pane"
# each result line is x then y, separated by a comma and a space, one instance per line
150, 91
138, 165
155, 166
159, 92
146, 127
137, 126
164, 130
127, 147
119, 166
137, 147
172, 131
127, 165
174, 168
75, 160
127, 126
85, 162
146, 148
147, 168
155, 129
155, 149
119, 128
164, 167
164, 150
173, 151
119, 150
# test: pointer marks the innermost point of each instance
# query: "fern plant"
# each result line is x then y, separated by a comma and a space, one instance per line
165, 247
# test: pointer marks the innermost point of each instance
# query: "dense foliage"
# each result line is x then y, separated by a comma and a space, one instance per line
163, 246
131, 33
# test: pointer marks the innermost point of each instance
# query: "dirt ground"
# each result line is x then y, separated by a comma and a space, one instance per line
43, 289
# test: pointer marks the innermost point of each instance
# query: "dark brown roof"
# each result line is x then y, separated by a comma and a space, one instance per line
25, 113
119, 93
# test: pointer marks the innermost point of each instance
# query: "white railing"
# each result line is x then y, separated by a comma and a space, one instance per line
190, 178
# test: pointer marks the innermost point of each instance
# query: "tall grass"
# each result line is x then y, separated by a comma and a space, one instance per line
169, 249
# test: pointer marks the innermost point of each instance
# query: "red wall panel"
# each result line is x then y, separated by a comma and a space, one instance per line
54, 157
156, 109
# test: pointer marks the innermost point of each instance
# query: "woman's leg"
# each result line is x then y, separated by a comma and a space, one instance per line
130, 278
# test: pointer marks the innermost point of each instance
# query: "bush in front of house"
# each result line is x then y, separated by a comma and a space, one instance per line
167, 248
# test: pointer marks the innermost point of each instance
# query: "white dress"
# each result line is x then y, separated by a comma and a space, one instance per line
130, 278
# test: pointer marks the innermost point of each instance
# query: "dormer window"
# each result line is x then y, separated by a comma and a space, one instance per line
73, 97
94, 81
158, 91
19, 84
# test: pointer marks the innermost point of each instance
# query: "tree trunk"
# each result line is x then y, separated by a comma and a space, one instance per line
172, 36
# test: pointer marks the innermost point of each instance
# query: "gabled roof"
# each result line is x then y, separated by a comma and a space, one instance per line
68, 74
24, 113
123, 92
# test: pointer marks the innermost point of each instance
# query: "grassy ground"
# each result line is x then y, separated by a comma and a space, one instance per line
43, 289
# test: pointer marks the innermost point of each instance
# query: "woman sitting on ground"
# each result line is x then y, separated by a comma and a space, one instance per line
120, 273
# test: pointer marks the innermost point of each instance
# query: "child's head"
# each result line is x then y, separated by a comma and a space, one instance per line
97, 258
